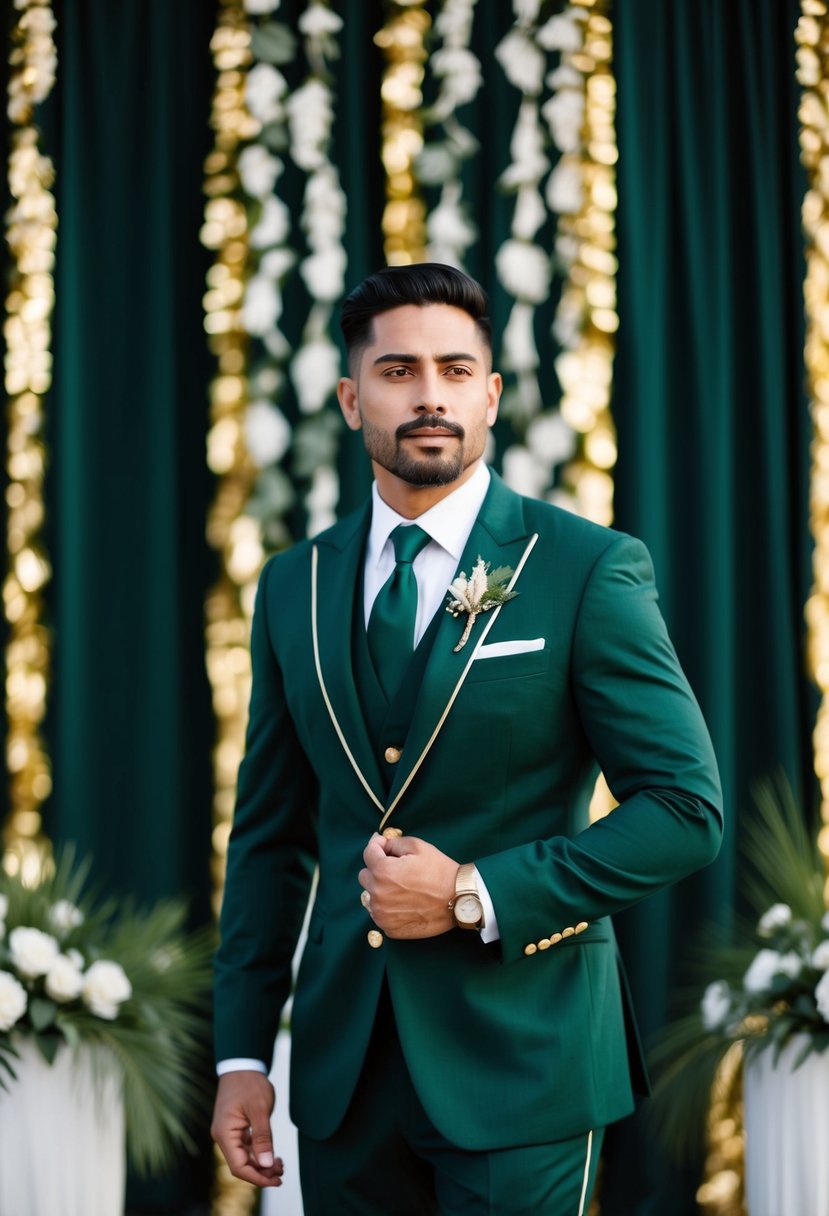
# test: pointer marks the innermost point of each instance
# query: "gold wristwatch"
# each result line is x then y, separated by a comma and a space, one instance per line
466, 906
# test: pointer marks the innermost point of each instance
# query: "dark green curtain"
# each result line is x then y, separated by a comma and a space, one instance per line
130, 726
713, 439
713, 428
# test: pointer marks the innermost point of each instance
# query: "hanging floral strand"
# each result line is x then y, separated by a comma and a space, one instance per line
402, 40
31, 225
449, 226
581, 190
315, 368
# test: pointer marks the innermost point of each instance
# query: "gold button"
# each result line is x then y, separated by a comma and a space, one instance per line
581, 926
390, 833
544, 944
568, 932
375, 938
555, 938
531, 948
392, 754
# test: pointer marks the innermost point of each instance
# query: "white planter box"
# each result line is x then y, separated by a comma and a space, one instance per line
62, 1148
786, 1118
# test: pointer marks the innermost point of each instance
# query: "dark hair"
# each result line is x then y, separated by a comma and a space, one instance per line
422, 283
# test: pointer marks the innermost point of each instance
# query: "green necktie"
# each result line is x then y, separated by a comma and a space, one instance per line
391, 624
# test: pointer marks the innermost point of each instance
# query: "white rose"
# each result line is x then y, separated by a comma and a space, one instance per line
564, 115
105, 987
765, 966
561, 33
529, 213
274, 224
261, 6
262, 307
822, 996
264, 89
275, 264
450, 230
310, 115
267, 432
524, 270
32, 952
820, 956
551, 438
524, 472
461, 71
565, 188
778, 916
564, 77
64, 917
258, 170
315, 370
522, 61
13, 1000
76, 958
324, 273
64, 980
519, 351
319, 19
715, 1005
526, 149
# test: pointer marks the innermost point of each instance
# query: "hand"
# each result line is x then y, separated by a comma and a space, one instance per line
411, 884
241, 1127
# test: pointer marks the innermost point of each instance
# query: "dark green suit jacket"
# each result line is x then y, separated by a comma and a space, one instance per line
509, 1044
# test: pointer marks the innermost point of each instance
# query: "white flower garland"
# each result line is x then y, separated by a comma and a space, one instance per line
450, 229
300, 121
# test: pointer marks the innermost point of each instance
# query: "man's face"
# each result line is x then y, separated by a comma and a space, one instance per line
423, 394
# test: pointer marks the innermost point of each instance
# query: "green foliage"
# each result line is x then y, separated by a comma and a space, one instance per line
157, 1037
762, 985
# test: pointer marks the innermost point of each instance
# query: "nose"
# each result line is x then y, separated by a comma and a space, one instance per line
431, 399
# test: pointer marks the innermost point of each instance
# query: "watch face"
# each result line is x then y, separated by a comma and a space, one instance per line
468, 909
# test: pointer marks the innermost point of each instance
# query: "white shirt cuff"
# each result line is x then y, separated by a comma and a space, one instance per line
240, 1064
490, 932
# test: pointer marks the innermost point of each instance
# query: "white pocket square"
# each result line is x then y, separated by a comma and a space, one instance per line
494, 650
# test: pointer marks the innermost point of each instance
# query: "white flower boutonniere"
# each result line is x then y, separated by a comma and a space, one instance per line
484, 589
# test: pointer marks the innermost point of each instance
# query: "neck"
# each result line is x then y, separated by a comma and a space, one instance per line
410, 501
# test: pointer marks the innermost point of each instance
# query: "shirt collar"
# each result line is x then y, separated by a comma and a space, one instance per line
448, 522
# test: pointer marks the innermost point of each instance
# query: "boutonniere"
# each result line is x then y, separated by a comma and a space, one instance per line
484, 589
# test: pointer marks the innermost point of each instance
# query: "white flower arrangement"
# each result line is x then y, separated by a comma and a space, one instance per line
767, 984
74, 972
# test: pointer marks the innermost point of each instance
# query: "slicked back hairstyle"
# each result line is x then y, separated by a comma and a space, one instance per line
421, 284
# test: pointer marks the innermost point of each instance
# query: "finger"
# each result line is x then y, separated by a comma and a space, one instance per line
366, 880
261, 1143
374, 851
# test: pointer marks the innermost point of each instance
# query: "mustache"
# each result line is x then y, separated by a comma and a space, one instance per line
430, 422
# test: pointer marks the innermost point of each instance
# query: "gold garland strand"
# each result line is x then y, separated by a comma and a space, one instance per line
229, 531
812, 36
31, 237
586, 372
402, 40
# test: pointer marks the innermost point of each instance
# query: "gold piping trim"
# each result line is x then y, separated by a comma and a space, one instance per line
323, 689
457, 689
586, 1173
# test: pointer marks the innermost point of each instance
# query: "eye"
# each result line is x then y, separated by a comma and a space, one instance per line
458, 370
396, 373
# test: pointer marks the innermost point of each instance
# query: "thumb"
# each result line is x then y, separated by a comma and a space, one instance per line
261, 1141
400, 846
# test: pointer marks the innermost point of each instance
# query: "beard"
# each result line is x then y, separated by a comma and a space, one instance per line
426, 467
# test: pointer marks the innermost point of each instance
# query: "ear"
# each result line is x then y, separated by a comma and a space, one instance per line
494, 387
347, 397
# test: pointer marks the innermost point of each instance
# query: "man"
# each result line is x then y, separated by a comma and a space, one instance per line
460, 1037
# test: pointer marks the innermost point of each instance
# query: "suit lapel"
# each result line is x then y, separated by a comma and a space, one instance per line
336, 565
499, 535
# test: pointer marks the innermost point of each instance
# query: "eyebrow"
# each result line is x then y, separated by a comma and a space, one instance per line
454, 357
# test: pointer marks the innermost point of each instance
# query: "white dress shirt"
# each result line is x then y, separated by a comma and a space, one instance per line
449, 523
